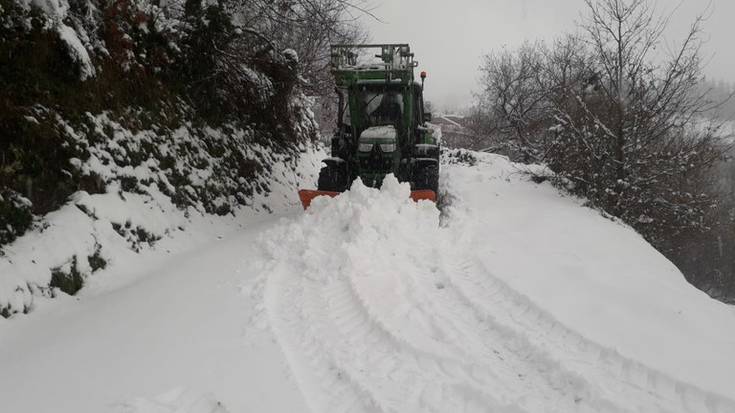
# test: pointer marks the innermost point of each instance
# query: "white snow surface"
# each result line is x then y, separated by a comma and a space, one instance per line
514, 298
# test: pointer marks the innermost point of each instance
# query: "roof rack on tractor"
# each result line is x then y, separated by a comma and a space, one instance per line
396, 63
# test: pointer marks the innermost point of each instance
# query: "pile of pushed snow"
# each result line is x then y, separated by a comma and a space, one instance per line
361, 225
344, 295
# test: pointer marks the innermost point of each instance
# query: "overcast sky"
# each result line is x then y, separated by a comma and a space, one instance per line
450, 36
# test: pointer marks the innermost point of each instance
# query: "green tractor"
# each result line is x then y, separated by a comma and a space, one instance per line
381, 123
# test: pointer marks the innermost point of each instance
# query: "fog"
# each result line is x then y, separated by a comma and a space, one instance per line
450, 37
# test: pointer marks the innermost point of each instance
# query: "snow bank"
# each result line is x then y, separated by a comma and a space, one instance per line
100, 226
93, 233
593, 275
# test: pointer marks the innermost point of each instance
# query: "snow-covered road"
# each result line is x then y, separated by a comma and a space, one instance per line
180, 329
512, 299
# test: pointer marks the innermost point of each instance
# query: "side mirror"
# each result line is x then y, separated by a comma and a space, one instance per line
427, 117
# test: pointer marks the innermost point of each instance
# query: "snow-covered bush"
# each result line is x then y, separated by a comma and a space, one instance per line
617, 126
15, 215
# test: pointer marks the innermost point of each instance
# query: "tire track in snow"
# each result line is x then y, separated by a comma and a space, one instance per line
307, 350
409, 369
509, 349
326, 327
507, 360
610, 371
338, 329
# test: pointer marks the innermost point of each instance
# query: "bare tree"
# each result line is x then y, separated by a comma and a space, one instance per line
309, 27
568, 72
227, 39
644, 149
516, 97
521, 89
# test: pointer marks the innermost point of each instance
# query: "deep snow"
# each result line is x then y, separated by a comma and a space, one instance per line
514, 298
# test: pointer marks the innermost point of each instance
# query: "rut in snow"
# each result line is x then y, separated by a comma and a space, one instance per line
378, 308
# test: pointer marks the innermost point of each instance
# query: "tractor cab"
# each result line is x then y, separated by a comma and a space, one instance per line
381, 107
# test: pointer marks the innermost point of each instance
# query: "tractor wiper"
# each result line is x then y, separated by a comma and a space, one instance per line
370, 101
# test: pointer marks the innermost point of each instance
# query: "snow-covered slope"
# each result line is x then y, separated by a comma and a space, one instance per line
514, 298
140, 203
596, 277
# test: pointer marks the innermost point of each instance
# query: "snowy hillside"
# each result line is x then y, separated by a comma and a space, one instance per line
512, 298
139, 206
121, 122
90, 178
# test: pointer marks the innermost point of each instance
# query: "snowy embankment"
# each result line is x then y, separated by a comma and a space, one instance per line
141, 188
515, 298
163, 327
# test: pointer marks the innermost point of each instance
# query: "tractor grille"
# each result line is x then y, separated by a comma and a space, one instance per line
377, 161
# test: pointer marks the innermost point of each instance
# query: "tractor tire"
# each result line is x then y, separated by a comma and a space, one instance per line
426, 175
333, 178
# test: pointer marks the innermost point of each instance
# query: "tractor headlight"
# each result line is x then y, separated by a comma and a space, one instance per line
365, 147
388, 147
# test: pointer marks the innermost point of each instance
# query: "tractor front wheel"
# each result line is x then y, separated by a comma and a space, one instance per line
334, 177
426, 175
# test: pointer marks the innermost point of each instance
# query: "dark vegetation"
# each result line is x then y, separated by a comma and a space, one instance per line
183, 87
635, 133
224, 65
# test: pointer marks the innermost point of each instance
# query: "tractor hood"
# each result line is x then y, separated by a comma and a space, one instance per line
379, 134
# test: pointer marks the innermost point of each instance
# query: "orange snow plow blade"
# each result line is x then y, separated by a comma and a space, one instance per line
423, 195
308, 195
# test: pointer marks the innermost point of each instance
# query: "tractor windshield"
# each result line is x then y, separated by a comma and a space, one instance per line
382, 107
